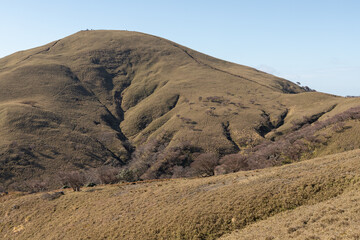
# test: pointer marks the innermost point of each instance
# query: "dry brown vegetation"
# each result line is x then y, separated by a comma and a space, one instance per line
104, 107
337, 218
155, 159
322, 192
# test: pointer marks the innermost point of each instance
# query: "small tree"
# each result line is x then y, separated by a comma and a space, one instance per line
107, 174
74, 179
234, 163
205, 164
126, 175
34, 186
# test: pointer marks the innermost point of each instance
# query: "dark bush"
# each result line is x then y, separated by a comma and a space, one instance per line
91, 184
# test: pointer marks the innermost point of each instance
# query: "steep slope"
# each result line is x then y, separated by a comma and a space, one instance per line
90, 98
204, 208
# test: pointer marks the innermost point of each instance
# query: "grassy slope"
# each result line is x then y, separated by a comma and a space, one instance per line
198, 208
72, 103
337, 218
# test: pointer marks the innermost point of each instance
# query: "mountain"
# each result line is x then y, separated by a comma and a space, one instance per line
93, 98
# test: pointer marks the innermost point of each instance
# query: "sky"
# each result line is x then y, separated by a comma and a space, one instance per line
316, 43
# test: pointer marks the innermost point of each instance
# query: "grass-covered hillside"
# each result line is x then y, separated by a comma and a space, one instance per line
313, 199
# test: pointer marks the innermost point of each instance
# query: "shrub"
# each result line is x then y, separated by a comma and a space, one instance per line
219, 170
30, 186
172, 158
74, 179
145, 156
178, 172
37, 185
90, 184
155, 159
107, 174
205, 164
294, 145
233, 163
91, 176
126, 175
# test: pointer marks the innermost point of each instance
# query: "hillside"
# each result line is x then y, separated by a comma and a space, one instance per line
92, 98
314, 198
332, 219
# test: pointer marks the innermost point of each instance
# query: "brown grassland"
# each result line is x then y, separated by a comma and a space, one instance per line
131, 100
316, 198
337, 218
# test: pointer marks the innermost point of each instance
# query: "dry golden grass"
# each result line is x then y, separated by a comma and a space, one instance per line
203, 208
337, 218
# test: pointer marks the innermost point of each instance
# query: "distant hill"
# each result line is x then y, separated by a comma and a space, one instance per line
93, 98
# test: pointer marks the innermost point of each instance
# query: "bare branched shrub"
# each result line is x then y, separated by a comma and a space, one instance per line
205, 164
145, 156
30, 186
178, 172
92, 177
108, 175
219, 170
169, 158
233, 163
37, 186
73, 179
302, 141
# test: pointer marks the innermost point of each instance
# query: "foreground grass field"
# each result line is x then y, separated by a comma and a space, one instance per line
337, 218
314, 198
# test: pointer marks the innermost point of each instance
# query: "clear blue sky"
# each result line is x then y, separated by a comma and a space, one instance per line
314, 42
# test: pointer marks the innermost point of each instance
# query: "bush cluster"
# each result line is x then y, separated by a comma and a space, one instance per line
95, 176
31, 186
290, 147
156, 159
